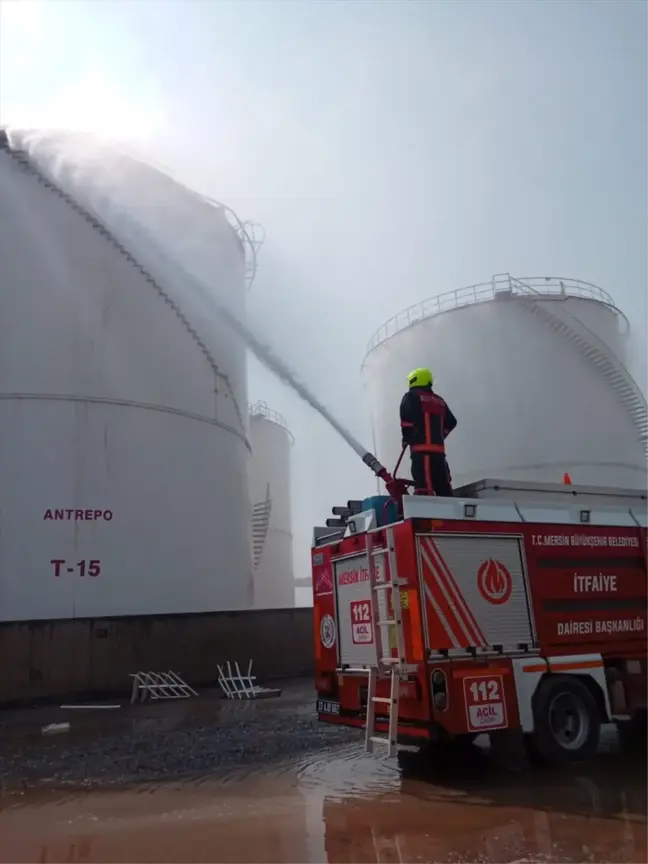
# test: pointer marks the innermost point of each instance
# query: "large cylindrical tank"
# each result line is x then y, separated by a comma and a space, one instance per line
123, 396
534, 370
272, 541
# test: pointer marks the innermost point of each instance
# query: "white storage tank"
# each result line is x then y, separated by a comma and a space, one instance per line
123, 395
535, 371
272, 541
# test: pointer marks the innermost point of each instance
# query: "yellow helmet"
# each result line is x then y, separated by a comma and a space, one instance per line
420, 378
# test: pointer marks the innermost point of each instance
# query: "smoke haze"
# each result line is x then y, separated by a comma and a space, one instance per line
391, 151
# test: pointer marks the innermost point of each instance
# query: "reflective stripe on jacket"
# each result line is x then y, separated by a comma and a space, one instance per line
426, 420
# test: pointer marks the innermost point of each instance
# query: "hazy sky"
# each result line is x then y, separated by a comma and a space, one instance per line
392, 150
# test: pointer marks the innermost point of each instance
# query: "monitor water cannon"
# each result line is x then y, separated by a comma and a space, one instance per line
396, 486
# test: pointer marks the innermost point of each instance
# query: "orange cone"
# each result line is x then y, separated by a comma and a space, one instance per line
566, 479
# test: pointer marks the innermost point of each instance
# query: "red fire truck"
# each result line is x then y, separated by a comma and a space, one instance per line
511, 606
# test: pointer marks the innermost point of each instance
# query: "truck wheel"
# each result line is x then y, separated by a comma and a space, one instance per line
465, 740
567, 721
632, 733
457, 742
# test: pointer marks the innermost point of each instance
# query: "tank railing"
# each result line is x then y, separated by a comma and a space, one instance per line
251, 235
262, 409
486, 291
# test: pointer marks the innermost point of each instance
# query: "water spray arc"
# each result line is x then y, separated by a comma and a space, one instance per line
157, 260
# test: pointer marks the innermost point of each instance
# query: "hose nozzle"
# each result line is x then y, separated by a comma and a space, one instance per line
370, 460
395, 487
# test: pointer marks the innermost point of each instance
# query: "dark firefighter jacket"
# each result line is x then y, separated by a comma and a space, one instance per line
426, 420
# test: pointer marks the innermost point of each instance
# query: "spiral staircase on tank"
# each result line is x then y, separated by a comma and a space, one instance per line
590, 346
261, 512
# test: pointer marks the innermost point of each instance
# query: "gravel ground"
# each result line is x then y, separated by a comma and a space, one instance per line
162, 741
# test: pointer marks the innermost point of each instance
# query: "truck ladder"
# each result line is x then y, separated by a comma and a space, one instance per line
387, 666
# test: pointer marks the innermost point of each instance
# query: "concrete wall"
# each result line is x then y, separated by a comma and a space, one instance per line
53, 659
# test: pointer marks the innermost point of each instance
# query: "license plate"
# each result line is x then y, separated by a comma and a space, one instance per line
325, 706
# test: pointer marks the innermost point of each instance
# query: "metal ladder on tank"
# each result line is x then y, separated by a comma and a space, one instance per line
385, 630
596, 351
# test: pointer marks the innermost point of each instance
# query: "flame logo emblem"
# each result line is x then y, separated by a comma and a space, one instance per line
494, 582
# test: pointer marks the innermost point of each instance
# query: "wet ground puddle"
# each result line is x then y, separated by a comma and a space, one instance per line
342, 806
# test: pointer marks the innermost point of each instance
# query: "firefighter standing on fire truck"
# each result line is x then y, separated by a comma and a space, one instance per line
426, 421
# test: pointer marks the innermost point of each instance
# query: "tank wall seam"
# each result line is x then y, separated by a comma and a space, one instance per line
22, 158
124, 403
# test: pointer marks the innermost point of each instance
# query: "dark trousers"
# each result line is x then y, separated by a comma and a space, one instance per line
431, 475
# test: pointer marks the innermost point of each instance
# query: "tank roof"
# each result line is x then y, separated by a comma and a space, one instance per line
502, 284
262, 409
250, 234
